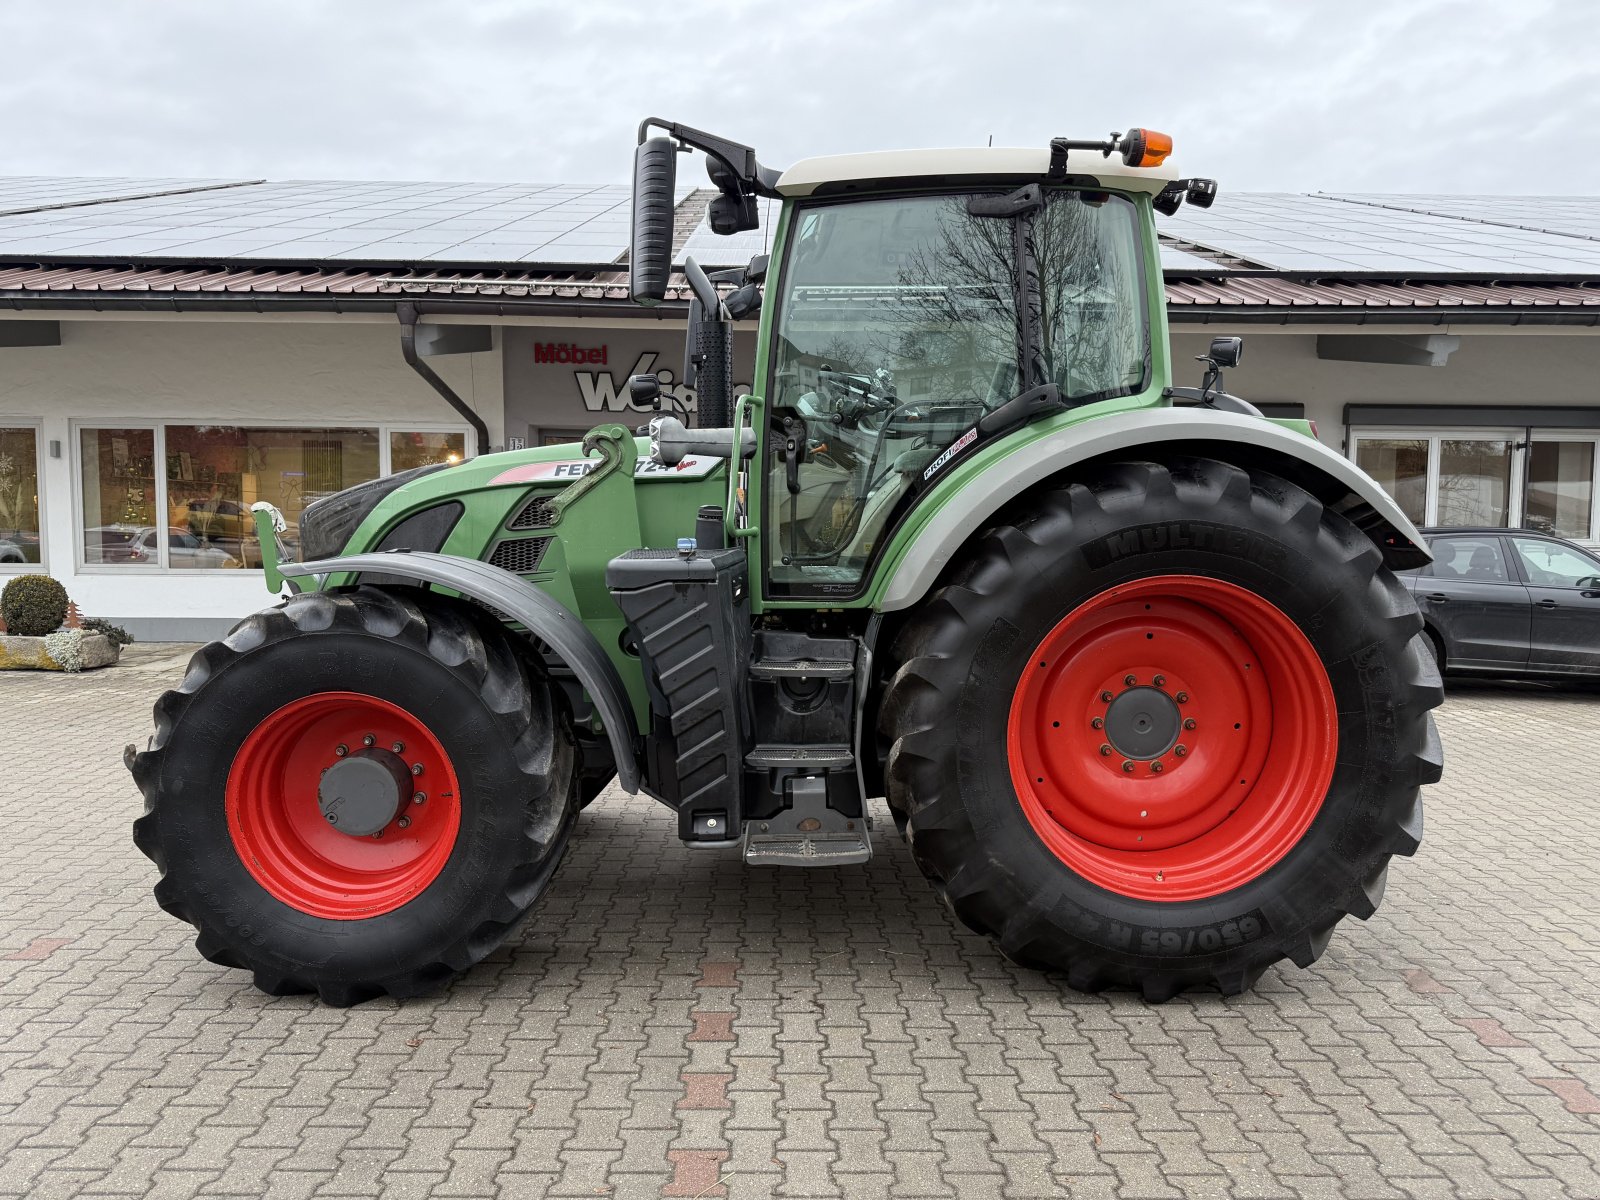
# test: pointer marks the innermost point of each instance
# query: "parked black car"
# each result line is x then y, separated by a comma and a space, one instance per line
1510, 602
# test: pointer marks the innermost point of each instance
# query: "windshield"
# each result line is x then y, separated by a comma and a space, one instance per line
898, 329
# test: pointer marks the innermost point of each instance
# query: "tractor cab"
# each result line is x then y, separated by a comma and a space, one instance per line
919, 306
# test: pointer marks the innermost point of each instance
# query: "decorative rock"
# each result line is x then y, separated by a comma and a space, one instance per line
67, 650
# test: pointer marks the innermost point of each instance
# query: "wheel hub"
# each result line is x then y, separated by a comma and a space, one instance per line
360, 794
1142, 723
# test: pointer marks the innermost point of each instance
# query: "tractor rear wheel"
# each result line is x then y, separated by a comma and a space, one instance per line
355, 794
1164, 728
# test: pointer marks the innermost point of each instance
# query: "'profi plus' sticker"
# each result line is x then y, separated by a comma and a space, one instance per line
956, 447
693, 466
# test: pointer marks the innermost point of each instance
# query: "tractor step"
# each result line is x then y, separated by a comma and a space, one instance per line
808, 833
816, 757
802, 668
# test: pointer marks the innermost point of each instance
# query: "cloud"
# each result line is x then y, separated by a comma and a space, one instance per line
1338, 95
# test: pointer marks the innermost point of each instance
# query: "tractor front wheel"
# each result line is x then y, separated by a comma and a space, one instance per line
1164, 728
355, 794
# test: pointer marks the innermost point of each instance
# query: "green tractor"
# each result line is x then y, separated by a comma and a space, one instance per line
1128, 661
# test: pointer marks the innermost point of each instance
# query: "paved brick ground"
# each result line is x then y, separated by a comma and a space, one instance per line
670, 1024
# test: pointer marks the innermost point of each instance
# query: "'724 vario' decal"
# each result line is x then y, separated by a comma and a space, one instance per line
693, 466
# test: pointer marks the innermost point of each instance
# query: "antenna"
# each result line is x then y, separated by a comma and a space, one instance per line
991, 139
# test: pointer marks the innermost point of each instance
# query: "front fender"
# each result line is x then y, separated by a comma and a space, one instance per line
544, 617
927, 548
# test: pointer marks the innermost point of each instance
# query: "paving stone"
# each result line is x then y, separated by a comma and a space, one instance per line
672, 1023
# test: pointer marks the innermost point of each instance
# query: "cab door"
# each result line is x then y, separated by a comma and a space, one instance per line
1480, 608
1564, 585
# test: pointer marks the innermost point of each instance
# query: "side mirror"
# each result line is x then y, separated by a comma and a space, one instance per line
655, 170
1226, 351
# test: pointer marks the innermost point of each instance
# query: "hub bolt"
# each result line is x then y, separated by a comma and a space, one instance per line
416, 768
1105, 697
333, 818
1160, 681
398, 747
1097, 723
1182, 697
1188, 722
1180, 749
377, 835
369, 740
1156, 768
1129, 680
404, 822
341, 750
1105, 750
420, 798
1127, 764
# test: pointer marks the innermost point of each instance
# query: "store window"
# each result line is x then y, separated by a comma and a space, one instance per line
214, 473
408, 450
1401, 466
119, 503
1474, 481
180, 496
19, 497
1445, 478
1561, 488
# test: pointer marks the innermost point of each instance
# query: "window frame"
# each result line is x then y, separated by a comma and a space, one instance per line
42, 567
77, 426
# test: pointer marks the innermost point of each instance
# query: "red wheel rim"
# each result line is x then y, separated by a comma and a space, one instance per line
1241, 779
285, 840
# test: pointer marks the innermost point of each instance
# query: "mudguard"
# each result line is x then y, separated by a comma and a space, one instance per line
1330, 476
544, 617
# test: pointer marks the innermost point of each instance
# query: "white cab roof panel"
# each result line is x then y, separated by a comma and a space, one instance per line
807, 175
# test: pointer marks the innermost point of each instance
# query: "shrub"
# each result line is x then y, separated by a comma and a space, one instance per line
118, 635
33, 605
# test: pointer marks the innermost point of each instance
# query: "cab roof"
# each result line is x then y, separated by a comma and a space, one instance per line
972, 164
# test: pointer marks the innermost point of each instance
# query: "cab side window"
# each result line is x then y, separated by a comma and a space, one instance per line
1477, 559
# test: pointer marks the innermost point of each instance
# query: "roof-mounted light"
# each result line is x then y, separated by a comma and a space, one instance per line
1145, 147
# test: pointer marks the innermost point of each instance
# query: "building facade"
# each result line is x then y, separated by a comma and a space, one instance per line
144, 406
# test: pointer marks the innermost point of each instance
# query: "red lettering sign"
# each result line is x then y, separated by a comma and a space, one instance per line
567, 354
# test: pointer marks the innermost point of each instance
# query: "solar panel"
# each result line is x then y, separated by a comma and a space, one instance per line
733, 249
1174, 259
1324, 233
27, 193
1577, 216
323, 220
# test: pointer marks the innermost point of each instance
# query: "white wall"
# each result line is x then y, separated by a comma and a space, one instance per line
194, 370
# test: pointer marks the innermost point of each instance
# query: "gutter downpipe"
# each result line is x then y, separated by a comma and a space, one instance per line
407, 312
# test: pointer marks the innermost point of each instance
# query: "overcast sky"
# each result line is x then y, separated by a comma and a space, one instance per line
1302, 95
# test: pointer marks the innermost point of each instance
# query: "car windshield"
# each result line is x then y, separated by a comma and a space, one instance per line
898, 329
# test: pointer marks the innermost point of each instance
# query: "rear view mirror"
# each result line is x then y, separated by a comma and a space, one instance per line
655, 168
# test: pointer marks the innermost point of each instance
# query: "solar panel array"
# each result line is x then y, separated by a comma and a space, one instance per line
218, 220
1292, 232
323, 221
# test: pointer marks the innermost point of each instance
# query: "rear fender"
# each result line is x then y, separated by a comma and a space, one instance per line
1151, 433
544, 617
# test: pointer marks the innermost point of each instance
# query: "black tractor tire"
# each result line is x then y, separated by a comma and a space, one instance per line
960, 661
455, 673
